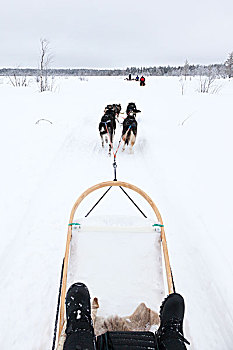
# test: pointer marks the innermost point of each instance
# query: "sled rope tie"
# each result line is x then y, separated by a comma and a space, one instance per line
98, 201
159, 225
133, 202
124, 193
58, 307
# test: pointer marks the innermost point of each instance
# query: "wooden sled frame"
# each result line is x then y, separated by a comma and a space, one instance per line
69, 236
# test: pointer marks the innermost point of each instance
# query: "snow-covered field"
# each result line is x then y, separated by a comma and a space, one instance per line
182, 159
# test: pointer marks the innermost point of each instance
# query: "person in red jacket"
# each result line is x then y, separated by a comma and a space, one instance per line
142, 81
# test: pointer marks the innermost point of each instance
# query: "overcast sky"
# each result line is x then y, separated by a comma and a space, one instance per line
116, 33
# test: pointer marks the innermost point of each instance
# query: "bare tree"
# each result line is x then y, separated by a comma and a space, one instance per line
186, 69
229, 65
45, 61
183, 75
182, 84
18, 80
207, 80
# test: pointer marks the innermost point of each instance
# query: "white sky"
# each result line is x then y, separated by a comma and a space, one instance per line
119, 33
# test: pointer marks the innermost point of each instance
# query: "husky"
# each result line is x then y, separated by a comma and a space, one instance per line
129, 131
132, 108
107, 127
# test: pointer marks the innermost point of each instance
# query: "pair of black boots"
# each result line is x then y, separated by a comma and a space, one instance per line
80, 333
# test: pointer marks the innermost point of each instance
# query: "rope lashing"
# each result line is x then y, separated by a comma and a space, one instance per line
159, 225
74, 224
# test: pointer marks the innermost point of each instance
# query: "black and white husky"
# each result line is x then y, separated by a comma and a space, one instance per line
107, 127
129, 132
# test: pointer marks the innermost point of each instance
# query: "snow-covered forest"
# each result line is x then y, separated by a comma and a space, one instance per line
218, 70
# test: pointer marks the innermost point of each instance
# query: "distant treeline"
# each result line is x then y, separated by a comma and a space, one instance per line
219, 70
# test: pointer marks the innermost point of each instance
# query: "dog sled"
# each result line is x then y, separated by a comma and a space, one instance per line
122, 259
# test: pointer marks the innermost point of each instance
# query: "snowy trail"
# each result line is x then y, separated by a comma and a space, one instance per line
169, 163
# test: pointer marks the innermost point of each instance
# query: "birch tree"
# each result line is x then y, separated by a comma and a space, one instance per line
229, 65
45, 61
186, 69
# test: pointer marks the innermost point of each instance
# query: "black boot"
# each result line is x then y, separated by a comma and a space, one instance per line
170, 333
79, 330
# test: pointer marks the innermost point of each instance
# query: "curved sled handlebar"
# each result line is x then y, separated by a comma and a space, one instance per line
69, 235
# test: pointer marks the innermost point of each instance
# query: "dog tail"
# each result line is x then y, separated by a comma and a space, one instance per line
128, 137
102, 128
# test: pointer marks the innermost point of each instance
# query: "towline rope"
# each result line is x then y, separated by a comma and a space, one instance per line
114, 153
115, 178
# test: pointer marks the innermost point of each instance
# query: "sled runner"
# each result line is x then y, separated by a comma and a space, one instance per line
120, 258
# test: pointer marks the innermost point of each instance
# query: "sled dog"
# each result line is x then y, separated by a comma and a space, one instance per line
129, 132
107, 127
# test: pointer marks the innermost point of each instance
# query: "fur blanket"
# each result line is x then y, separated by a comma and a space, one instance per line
142, 319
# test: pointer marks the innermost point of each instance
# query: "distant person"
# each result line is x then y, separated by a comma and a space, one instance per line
142, 81
137, 78
130, 76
